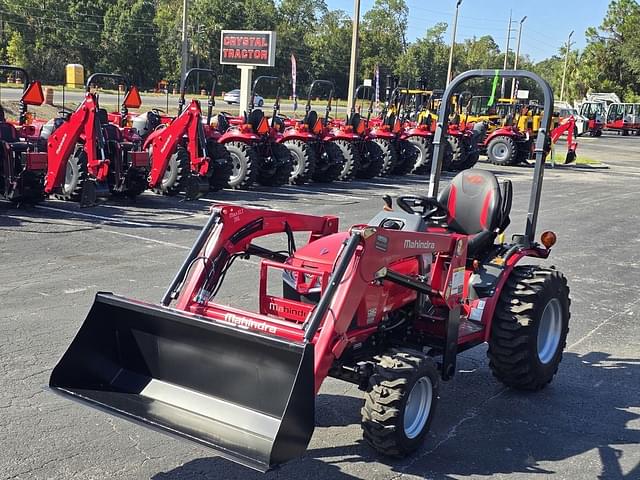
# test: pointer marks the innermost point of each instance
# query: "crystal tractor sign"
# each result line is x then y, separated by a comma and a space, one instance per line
247, 50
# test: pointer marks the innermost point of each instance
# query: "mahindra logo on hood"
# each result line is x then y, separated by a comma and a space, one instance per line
422, 244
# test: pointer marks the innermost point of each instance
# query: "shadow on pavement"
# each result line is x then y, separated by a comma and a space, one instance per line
588, 409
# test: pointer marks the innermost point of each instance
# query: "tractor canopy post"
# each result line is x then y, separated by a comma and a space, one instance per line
211, 98
543, 133
256, 82
330, 99
116, 76
26, 81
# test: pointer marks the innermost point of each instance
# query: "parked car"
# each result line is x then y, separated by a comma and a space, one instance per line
233, 97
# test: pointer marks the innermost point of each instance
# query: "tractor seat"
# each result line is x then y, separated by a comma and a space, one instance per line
254, 119
478, 206
8, 133
310, 118
354, 121
103, 116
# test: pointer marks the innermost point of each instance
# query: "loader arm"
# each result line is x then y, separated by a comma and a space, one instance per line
233, 233
62, 142
166, 142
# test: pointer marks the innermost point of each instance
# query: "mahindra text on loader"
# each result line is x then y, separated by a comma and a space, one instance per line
386, 305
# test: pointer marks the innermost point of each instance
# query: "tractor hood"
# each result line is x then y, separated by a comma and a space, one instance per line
320, 252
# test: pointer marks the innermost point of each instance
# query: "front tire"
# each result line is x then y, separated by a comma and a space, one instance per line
372, 160
331, 162
75, 176
530, 326
278, 176
502, 150
175, 174
389, 156
351, 157
400, 402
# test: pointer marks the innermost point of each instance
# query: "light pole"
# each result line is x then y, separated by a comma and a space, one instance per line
453, 41
353, 67
515, 63
566, 62
506, 54
185, 42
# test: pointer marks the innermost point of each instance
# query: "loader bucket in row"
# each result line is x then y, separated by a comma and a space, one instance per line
248, 396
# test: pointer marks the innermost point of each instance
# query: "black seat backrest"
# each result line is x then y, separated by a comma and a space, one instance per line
254, 119
103, 116
474, 201
8, 133
354, 121
153, 120
110, 132
311, 118
223, 123
390, 120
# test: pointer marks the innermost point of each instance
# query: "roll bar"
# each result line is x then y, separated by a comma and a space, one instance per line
26, 82
543, 134
211, 101
332, 88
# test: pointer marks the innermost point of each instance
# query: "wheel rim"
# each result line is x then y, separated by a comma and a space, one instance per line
418, 407
549, 331
70, 180
500, 151
297, 164
237, 170
168, 172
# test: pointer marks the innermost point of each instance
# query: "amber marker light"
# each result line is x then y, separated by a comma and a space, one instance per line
548, 239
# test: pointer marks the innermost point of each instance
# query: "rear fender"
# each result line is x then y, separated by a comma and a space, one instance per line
234, 135
492, 302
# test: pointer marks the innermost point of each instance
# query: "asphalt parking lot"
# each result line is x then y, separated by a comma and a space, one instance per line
585, 425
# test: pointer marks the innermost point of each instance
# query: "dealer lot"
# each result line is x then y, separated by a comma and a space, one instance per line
586, 424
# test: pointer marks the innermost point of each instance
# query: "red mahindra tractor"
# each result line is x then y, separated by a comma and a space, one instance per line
185, 152
254, 144
313, 148
88, 156
386, 305
22, 163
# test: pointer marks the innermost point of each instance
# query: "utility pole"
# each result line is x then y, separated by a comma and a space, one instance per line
566, 62
453, 41
515, 63
354, 53
506, 53
185, 42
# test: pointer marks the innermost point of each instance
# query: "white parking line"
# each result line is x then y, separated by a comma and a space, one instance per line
147, 239
91, 215
320, 192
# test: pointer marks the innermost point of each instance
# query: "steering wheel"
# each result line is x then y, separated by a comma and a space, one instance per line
157, 111
432, 209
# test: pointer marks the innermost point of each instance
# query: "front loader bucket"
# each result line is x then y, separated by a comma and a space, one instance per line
248, 396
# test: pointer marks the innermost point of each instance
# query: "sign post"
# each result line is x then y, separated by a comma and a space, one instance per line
247, 50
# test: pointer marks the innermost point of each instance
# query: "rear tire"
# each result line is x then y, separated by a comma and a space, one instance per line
389, 156
529, 329
351, 159
282, 172
407, 156
423, 147
304, 161
502, 150
458, 153
76, 174
400, 402
331, 164
244, 165
220, 166
177, 170
372, 161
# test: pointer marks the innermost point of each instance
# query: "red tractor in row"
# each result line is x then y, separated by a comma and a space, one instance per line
186, 152
387, 305
23, 159
254, 143
317, 154
88, 156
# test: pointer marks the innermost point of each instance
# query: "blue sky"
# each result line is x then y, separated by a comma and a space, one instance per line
547, 26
